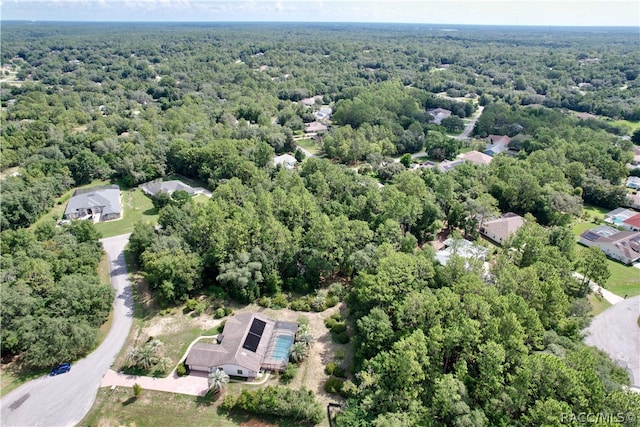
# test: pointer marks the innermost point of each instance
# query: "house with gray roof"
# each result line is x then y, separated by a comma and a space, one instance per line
154, 187
623, 246
250, 342
95, 203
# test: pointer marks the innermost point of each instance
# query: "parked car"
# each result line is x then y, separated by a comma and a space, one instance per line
61, 369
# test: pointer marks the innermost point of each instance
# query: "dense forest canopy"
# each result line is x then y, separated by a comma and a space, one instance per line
452, 345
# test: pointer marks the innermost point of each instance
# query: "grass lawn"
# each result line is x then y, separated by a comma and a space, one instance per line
309, 144
117, 407
598, 304
136, 207
627, 124
200, 198
624, 279
581, 227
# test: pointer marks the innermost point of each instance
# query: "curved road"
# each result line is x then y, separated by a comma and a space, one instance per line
65, 399
616, 332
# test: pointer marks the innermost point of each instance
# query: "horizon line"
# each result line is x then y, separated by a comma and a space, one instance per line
33, 21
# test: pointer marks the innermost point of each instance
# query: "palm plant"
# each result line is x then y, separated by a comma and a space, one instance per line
305, 338
299, 351
218, 379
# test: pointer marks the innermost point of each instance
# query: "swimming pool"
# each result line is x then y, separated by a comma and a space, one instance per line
282, 348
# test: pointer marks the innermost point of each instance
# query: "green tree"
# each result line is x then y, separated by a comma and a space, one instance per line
594, 268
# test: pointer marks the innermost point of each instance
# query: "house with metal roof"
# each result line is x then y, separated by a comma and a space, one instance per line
250, 342
286, 161
95, 203
623, 246
154, 187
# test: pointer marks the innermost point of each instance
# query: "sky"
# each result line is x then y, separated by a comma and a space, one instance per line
462, 12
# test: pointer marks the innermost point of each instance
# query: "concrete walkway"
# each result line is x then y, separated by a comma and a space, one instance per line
609, 296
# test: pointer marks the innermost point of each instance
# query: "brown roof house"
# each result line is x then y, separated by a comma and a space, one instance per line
477, 157
250, 342
95, 203
498, 230
623, 246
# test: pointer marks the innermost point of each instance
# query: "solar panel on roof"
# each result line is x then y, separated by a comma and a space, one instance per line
251, 342
591, 236
257, 327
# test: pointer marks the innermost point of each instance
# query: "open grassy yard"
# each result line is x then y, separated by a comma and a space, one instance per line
598, 304
632, 126
136, 207
624, 279
117, 407
309, 144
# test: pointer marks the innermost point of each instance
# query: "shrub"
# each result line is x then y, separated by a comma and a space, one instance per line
264, 302
333, 385
318, 303
332, 300
219, 313
301, 304
330, 368
339, 328
297, 405
288, 374
303, 322
342, 337
137, 389
336, 290
228, 311
330, 322
340, 372
336, 316
228, 403
221, 327
181, 370
279, 300
339, 354
190, 305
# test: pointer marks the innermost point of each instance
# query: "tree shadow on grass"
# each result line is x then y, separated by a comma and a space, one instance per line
129, 401
208, 399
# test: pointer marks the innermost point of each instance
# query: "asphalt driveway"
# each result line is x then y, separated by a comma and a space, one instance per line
616, 332
65, 399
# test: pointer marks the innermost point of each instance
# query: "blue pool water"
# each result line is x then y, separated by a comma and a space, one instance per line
282, 348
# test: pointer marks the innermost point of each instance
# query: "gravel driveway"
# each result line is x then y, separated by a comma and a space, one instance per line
65, 399
616, 332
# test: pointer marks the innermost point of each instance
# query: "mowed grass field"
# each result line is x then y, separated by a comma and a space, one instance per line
136, 206
118, 407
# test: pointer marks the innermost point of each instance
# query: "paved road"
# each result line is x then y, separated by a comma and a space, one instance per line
467, 131
65, 399
616, 332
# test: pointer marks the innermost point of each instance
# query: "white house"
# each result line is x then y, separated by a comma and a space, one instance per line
623, 246
462, 248
286, 160
250, 342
